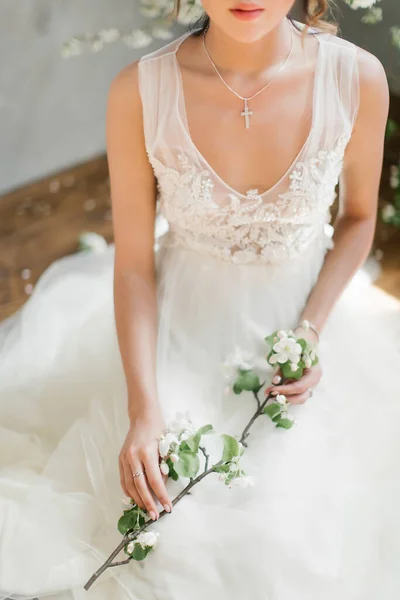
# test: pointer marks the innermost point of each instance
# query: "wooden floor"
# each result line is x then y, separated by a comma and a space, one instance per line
42, 222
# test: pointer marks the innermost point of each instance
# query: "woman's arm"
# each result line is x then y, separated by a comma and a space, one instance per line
133, 194
358, 194
355, 223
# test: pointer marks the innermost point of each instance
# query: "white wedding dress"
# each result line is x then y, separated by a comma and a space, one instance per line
322, 521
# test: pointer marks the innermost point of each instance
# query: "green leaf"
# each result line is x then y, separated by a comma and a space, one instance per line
222, 468
285, 423
288, 373
193, 442
269, 356
206, 429
172, 473
132, 519
391, 128
237, 388
140, 553
272, 410
303, 344
231, 447
248, 380
188, 464
230, 477
315, 361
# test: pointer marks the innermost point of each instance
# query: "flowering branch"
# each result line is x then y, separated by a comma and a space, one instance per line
180, 444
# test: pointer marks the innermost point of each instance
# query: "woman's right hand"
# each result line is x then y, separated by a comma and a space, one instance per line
140, 453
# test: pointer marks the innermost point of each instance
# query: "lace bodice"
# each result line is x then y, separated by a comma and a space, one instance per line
204, 213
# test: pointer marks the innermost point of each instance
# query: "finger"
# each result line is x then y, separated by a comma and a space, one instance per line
277, 378
299, 386
122, 478
129, 482
156, 481
299, 398
143, 489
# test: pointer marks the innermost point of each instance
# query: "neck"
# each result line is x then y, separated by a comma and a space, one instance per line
249, 58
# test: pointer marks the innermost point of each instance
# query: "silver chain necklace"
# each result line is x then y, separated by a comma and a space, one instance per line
246, 113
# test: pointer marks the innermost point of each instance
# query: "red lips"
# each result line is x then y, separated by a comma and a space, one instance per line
247, 12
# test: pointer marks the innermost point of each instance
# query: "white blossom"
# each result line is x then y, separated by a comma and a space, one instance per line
287, 349
238, 359
137, 39
281, 399
164, 468
96, 45
165, 442
394, 177
109, 35
388, 212
355, 4
395, 34
294, 366
189, 12
73, 47
162, 33
174, 458
93, 242
242, 482
148, 538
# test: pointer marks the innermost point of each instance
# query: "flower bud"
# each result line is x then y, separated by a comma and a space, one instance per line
164, 468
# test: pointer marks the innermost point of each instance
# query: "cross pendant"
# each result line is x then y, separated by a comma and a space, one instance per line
246, 113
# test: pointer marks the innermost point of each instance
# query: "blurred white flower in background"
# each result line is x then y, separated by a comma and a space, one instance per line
160, 18
361, 3
92, 242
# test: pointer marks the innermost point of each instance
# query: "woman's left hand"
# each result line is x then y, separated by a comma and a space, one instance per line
300, 390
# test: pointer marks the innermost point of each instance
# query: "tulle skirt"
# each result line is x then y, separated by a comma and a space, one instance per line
321, 522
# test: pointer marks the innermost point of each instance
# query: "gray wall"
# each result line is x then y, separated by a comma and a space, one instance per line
52, 110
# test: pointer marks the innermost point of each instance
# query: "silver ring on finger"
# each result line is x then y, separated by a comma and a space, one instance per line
137, 474
310, 391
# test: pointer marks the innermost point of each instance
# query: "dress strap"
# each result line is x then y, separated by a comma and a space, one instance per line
157, 87
338, 98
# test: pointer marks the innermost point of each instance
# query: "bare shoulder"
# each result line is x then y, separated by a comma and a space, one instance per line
374, 87
124, 87
366, 146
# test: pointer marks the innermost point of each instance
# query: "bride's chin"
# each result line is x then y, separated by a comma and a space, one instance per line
247, 32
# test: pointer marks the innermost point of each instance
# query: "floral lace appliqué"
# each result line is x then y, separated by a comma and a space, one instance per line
250, 229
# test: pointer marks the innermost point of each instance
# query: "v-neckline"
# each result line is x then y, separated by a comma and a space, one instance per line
180, 99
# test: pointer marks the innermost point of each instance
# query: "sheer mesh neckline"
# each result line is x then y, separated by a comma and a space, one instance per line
183, 122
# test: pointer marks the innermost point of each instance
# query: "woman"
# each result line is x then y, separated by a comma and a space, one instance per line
245, 174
